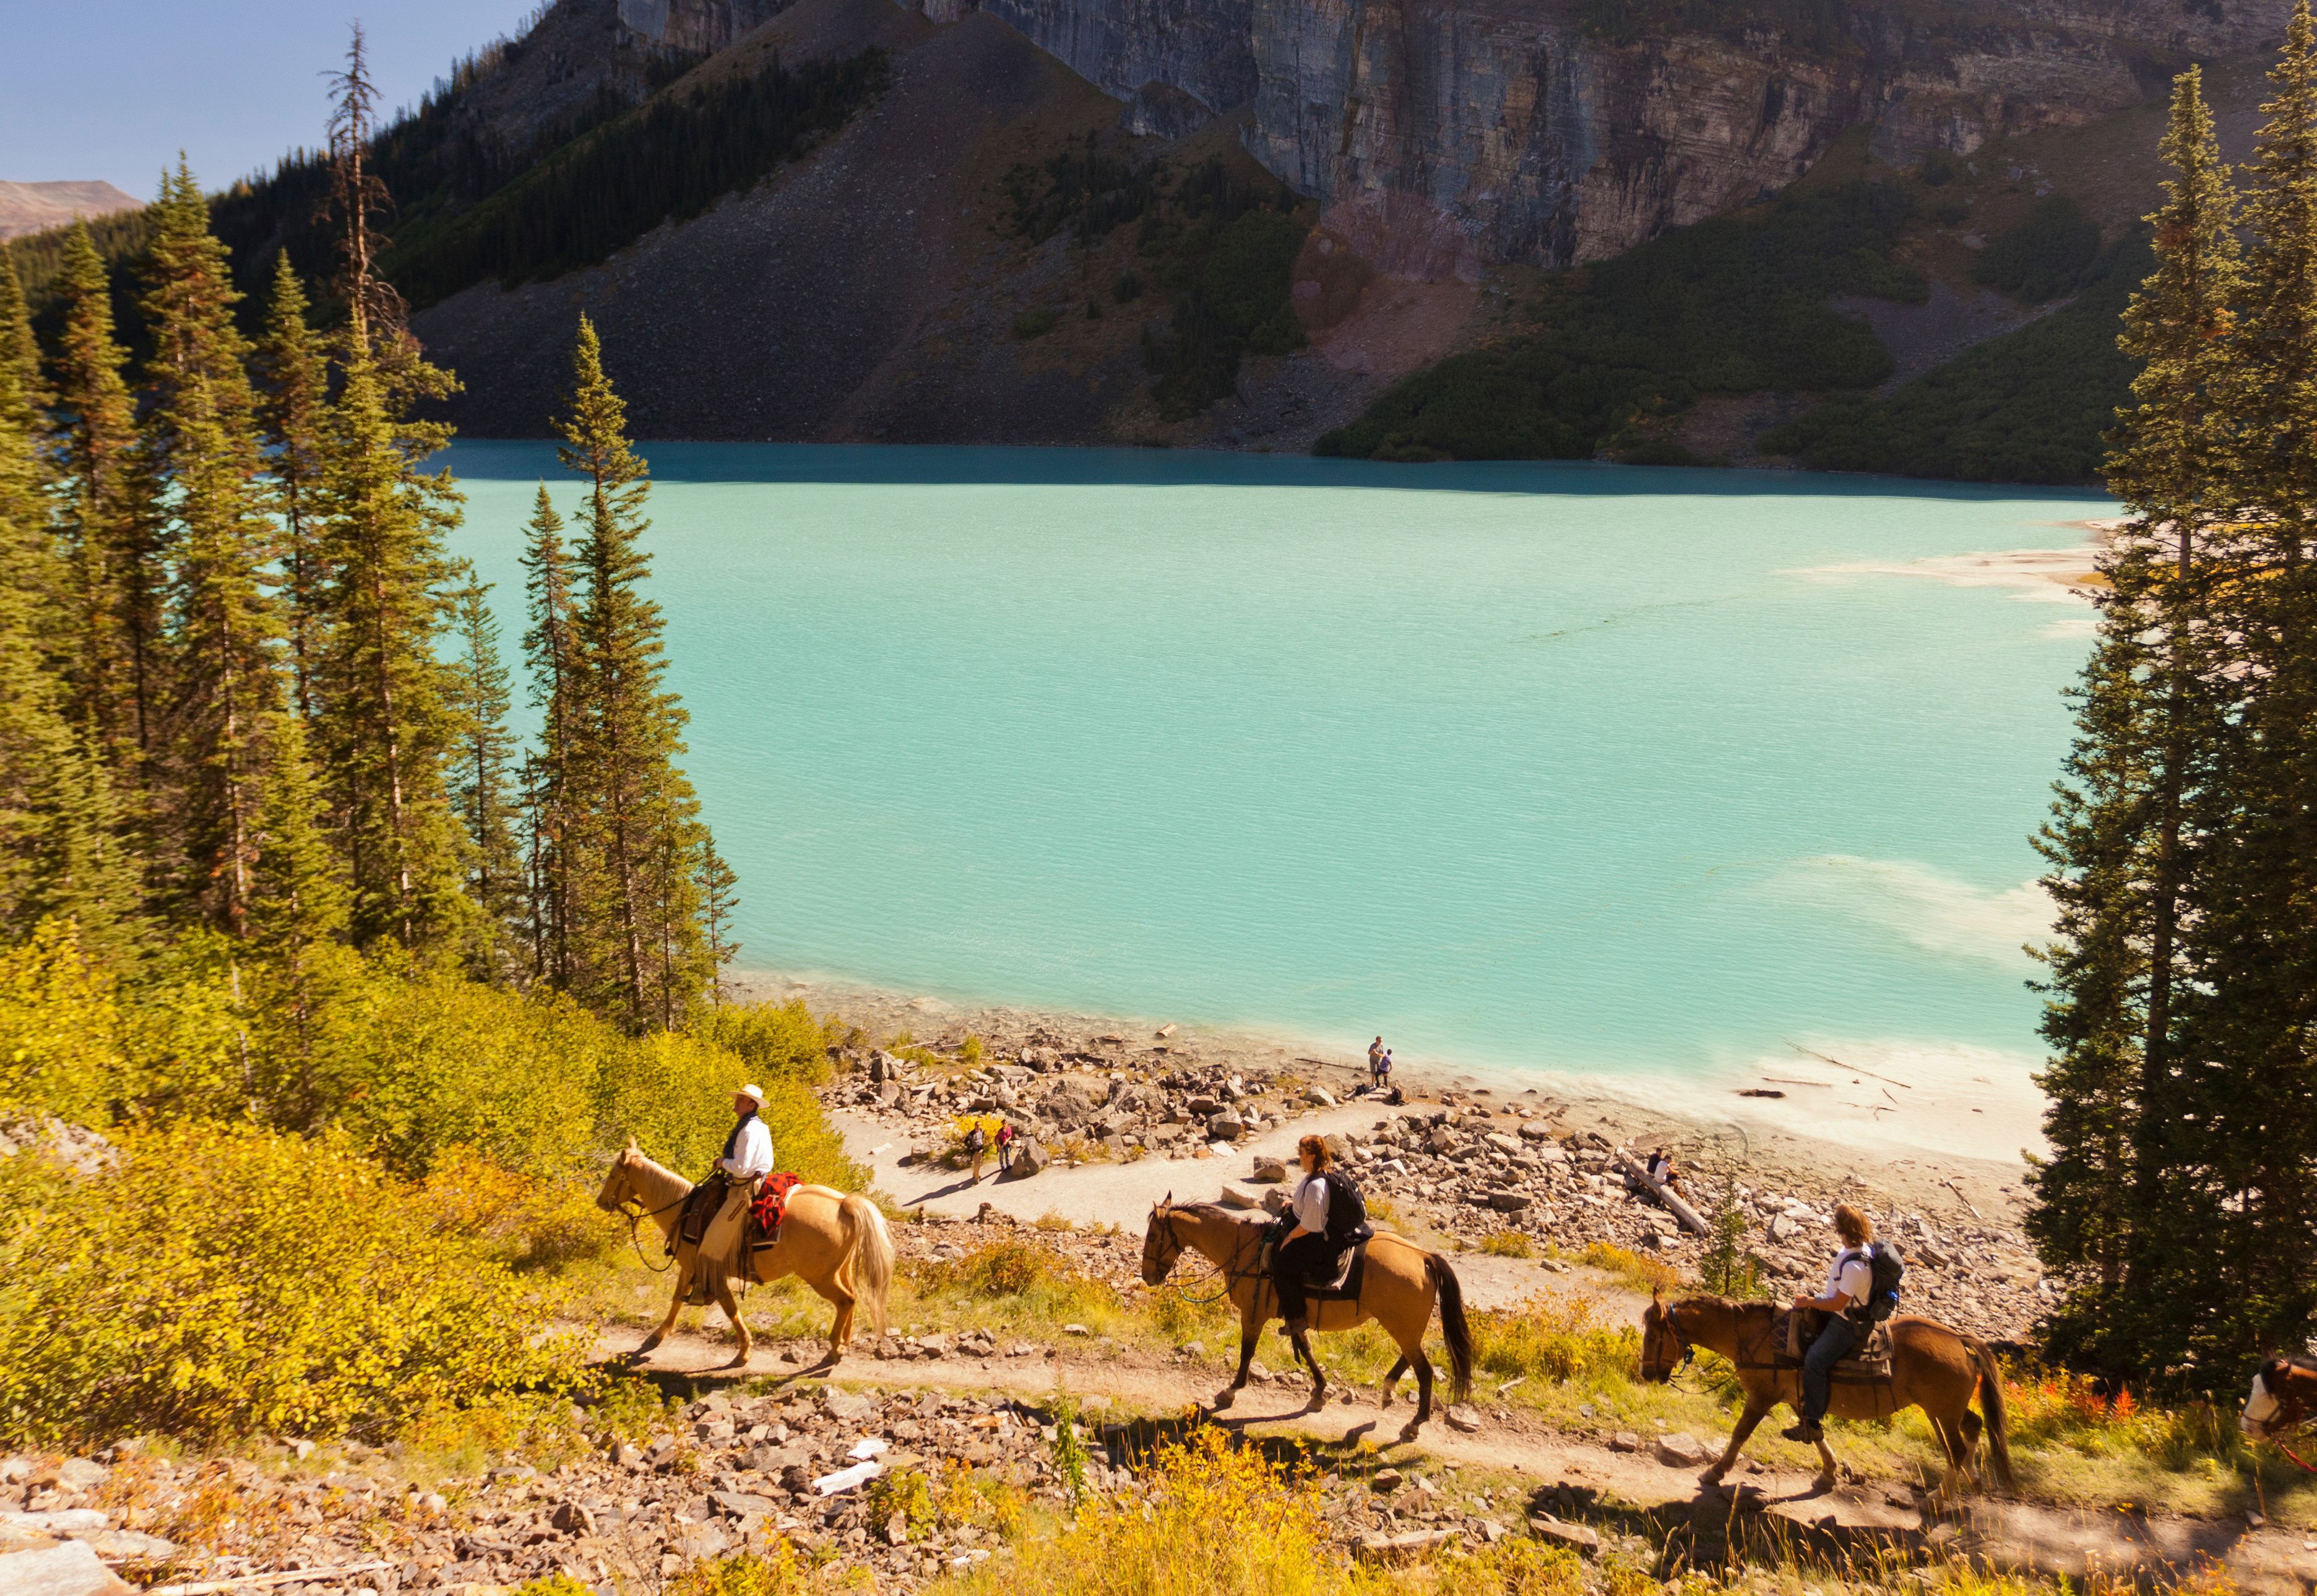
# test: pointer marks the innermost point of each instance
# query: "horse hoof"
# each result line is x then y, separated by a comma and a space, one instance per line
738, 1360
1223, 1400
1318, 1400
1824, 1482
1408, 1431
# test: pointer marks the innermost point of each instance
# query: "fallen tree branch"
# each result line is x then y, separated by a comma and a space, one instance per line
250, 1582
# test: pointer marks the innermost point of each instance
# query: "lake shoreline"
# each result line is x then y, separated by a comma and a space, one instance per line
1913, 1155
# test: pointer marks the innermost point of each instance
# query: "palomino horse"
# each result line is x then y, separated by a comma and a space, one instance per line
1932, 1368
2284, 1398
1400, 1284
836, 1244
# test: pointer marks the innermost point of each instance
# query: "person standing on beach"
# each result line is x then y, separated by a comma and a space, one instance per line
1004, 1150
1377, 1068
977, 1147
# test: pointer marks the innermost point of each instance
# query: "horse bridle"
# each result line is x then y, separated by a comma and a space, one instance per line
635, 1217
1165, 1212
1668, 1323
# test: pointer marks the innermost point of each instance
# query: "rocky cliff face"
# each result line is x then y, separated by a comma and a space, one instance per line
1442, 134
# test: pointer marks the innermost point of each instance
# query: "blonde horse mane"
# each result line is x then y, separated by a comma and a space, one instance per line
653, 1186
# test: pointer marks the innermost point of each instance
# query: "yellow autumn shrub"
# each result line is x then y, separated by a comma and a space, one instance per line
223, 1280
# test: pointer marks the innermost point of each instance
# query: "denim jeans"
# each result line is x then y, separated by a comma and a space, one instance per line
1833, 1345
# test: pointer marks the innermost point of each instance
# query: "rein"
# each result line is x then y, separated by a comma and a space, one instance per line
636, 1216
1216, 1271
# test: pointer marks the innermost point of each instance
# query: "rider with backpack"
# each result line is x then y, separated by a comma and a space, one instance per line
1861, 1289
1329, 1216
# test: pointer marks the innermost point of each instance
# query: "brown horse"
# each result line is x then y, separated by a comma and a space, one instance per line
1932, 1368
2284, 1398
836, 1244
1400, 1284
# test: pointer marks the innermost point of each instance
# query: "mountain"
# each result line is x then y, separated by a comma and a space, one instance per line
1411, 228
34, 207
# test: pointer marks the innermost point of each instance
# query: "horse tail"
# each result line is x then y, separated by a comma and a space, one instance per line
1455, 1328
1990, 1403
872, 1256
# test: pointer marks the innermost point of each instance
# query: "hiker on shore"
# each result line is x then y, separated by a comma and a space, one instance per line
977, 1148
1377, 1068
1662, 1171
1004, 1150
1849, 1283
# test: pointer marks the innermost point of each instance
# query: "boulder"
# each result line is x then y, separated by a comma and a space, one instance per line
1030, 1156
1205, 1108
1680, 1450
574, 1517
1319, 1097
843, 1407
1503, 1144
1386, 1480
1233, 1197
67, 1569
1625, 1441
739, 1504
1269, 1169
1575, 1536
1393, 1550
1508, 1202
1226, 1127
1461, 1417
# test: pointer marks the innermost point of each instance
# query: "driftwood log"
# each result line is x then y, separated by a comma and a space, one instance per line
1639, 1171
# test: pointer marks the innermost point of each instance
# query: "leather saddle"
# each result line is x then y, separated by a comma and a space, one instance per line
1790, 1335
1344, 1286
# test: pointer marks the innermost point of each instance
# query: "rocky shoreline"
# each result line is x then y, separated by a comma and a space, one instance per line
1455, 1166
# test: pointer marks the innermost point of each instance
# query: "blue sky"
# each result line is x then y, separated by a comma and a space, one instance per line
115, 88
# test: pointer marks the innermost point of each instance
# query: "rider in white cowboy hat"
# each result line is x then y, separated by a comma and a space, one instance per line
746, 1161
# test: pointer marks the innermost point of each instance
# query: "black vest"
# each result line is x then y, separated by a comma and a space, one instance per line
733, 1140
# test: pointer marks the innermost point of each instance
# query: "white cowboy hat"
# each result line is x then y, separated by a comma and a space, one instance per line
754, 1093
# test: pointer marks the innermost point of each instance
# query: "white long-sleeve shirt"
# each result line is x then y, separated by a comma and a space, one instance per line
752, 1154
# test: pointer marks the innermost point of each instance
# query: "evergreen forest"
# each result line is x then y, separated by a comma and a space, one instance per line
2178, 1204
359, 987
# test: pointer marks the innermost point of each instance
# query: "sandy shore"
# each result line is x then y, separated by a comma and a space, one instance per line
1931, 1133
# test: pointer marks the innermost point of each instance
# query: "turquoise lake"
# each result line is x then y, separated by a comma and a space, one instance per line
1641, 773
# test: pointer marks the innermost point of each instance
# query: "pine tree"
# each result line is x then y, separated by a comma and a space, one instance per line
59, 852
299, 920
720, 896
385, 723
2242, 1173
640, 954
550, 653
482, 768
24, 396
199, 438
115, 581
2124, 841
295, 366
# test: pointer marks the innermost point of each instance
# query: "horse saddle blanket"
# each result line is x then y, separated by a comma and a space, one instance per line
1790, 1335
771, 1206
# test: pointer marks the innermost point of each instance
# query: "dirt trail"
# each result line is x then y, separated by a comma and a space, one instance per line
2267, 1562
